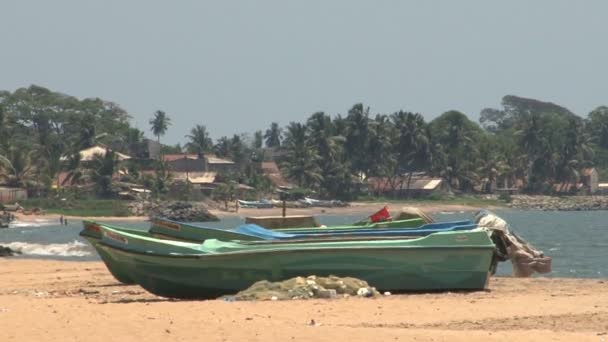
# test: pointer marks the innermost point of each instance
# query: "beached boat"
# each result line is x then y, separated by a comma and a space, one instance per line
191, 233
261, 204
440, 261
92, 233
164, 228
311, 202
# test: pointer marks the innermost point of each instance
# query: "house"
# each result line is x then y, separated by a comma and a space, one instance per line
197, 178
589, 183
272, 172
219, 165
11, 195
590, 178
152, 149
88, 154
185, 163
195, 163
420, 185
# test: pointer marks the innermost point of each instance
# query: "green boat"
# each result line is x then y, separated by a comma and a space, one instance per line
167, 229
92, 233
191, 233
440, 261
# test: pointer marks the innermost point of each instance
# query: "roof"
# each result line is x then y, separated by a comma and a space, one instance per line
172, 157
211, 159
195, 177
88, 154
272, 172
424, 183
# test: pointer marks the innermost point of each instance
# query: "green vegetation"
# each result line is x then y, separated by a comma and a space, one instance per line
84, 207
526, 142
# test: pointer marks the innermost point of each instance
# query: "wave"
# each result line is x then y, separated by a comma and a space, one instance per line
32, 223
70, 249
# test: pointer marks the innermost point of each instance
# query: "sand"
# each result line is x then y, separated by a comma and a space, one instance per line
42, 300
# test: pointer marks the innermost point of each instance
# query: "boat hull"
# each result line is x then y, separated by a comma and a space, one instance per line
117, 269
92, 232
413, 268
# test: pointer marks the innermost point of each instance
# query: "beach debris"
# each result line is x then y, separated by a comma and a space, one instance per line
525, 258
306, 288
87, 292
365, 292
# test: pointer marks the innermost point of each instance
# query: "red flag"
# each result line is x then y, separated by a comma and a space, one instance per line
381, 215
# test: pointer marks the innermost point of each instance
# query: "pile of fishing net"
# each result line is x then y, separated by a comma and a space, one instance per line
525, 258
306, 288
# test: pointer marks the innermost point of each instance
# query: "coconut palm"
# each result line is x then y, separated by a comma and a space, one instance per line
159, 124
273, 135
200, 141
301, 158
100, 172
18, 168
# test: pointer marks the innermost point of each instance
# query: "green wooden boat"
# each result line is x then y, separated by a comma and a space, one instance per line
168, 229
92, 233
191, 233
440, 261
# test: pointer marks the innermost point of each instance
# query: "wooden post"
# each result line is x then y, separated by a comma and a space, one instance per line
284, 207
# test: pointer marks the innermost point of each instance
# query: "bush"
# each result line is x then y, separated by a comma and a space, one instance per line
505, 196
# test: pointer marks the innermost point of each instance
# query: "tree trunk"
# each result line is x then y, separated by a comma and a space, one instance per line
409, 181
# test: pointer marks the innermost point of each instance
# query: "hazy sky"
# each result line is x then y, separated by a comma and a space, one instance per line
236, 66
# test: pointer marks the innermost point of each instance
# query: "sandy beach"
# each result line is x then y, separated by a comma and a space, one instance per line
42, 300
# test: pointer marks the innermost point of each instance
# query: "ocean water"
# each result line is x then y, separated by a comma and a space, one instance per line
577, 241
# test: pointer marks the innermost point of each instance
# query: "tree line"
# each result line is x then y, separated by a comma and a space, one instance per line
526, 142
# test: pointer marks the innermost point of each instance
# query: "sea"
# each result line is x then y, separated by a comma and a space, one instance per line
577, 241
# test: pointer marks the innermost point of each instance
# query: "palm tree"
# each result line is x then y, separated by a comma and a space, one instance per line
413, 146
357, 138
75, 170
200, 141
329, 148
273, 135
18, 168
160, 123
162, 178
301, 159
100, 172
222, 147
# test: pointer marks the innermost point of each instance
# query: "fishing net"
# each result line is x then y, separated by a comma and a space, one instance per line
525, 258
306, 288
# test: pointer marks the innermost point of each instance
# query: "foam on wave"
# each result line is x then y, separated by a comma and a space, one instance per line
70, 249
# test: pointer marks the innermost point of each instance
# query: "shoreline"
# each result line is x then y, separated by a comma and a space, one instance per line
64, 300
355, 208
